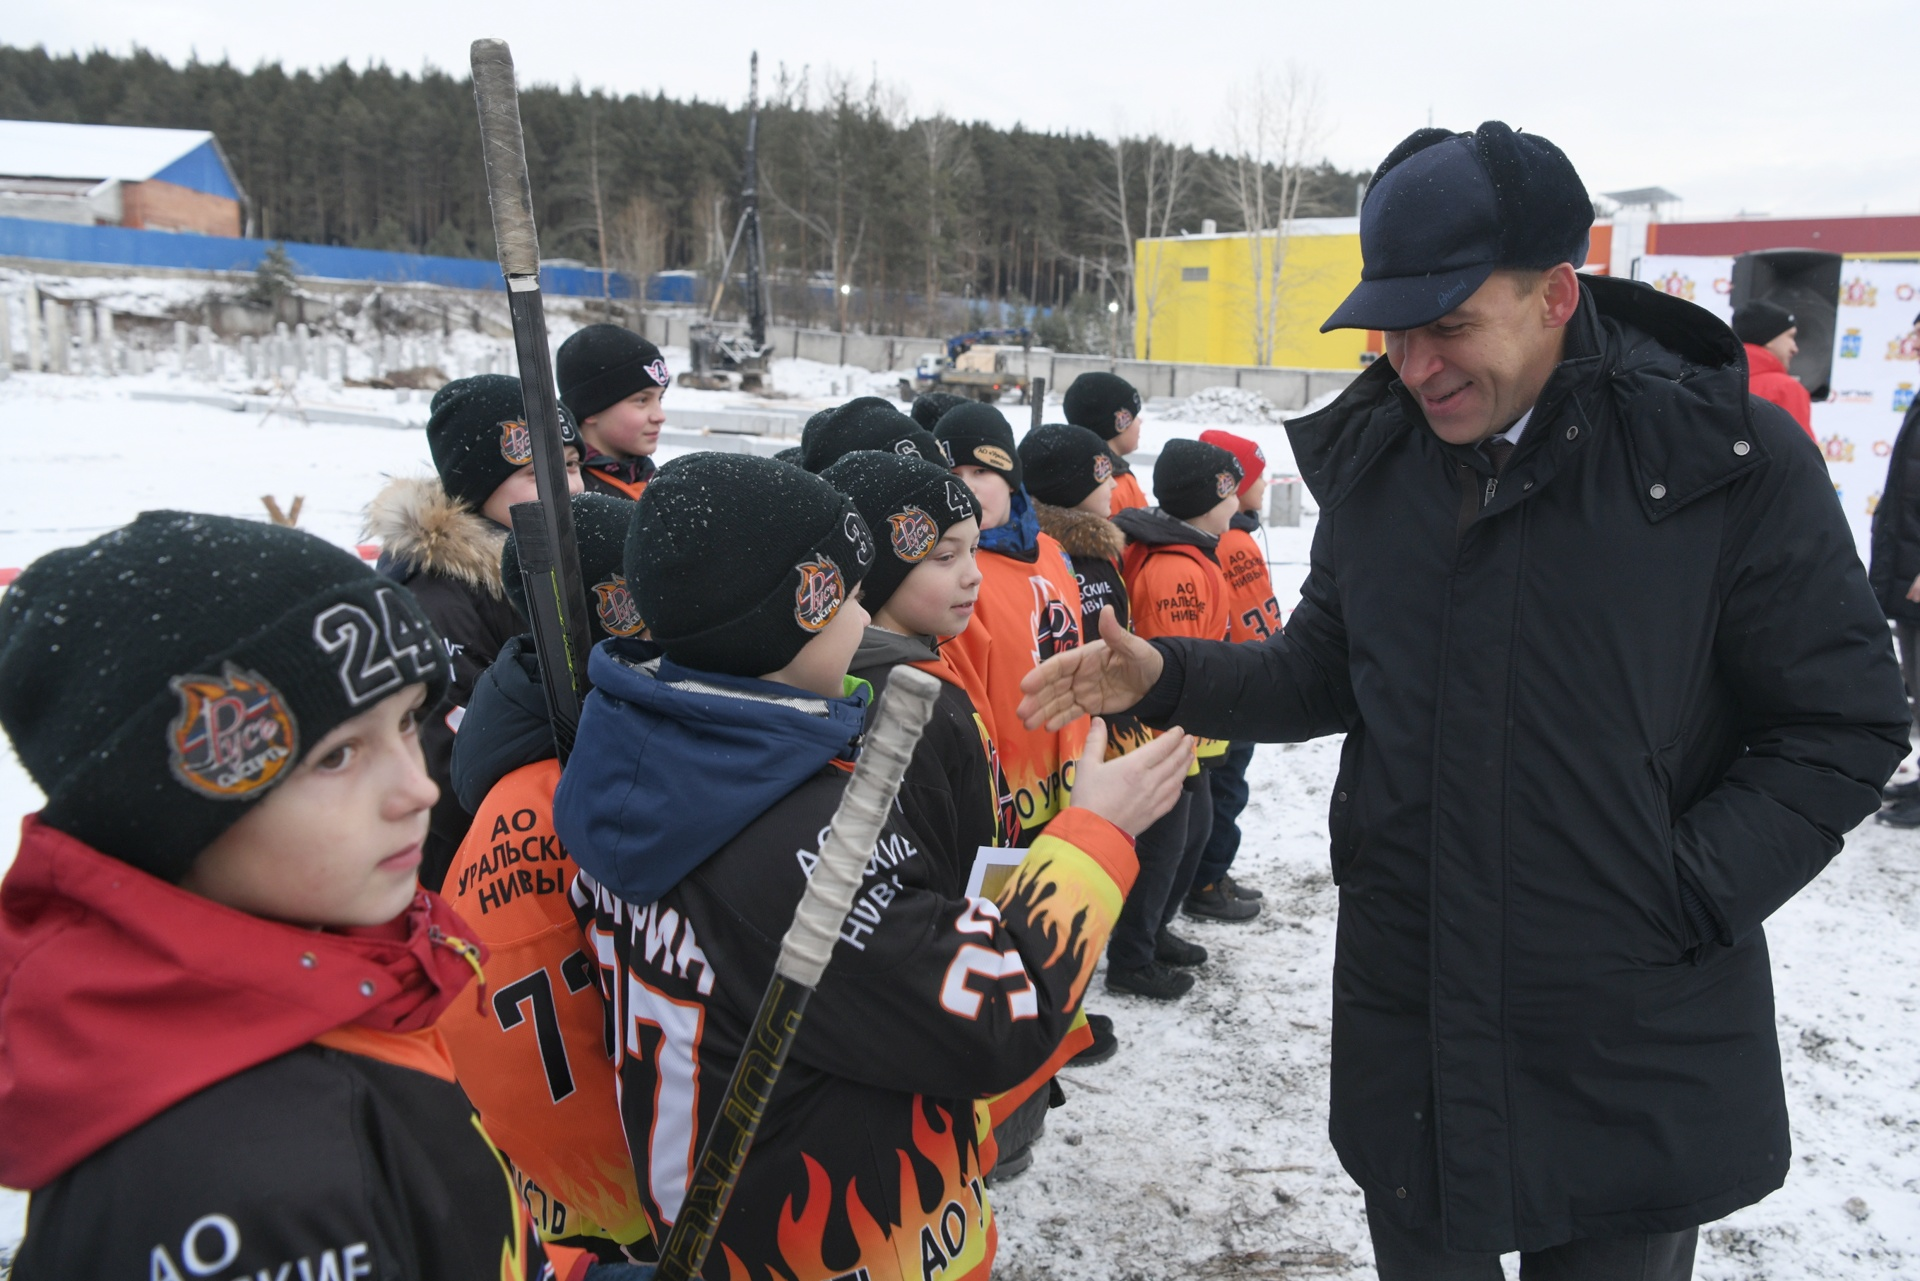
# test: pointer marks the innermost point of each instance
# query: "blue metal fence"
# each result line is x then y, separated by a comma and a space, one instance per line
127, 247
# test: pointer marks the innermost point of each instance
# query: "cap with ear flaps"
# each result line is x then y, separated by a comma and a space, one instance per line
737, 561
1446, 210
160, 680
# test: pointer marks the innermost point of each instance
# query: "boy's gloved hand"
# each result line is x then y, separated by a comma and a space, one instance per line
1136, 789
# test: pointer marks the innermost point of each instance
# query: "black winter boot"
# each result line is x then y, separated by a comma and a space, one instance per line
1214, 903
1154, 980
1170, 949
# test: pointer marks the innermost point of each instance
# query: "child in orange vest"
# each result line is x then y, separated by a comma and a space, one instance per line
613, 381
1254, 615
1109, 406
1176, 588
534, 1058
1029, 610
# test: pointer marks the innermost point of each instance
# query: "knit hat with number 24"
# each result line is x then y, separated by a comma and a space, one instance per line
160, 680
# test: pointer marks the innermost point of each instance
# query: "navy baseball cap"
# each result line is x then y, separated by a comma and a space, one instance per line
1446, 210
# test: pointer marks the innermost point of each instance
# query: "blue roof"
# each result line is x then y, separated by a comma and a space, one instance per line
202, 169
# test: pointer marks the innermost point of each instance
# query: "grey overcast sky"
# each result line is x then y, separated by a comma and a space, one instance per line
1761, 106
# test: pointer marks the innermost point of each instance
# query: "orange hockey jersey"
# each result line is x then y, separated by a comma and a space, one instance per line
1174, 585
1252, 612
536, 1056
1126, 491
1028, 611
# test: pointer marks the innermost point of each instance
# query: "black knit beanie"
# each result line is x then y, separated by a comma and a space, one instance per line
929, 407
1191, 477
866, 423
602, 365
977, 435
1761, 322
478, 435
737, 561
159, 680
1096, 400
600, 532
1064, 463
792, 454
908, 503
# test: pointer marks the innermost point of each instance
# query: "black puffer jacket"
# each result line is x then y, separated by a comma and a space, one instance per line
1896, 524
1649, 667
448, 555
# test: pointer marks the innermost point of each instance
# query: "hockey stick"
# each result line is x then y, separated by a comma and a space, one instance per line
804, 953
555, 594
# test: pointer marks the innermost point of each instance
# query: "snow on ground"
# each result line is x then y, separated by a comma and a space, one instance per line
1201, 1149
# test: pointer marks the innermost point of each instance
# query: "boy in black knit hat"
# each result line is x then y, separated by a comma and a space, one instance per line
1029, 610
509, 881
442, 538
1109, 406
219, 975
929, 408
612, 380
866, 423
1177, 588
694, 804
1070, 475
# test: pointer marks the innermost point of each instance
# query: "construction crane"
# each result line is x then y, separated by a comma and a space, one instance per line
723, 352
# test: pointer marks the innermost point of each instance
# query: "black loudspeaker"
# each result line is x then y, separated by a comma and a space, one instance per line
1806, 282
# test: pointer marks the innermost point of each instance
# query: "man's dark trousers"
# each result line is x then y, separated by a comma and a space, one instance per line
1416, 1254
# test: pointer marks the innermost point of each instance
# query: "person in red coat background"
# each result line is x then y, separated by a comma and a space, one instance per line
1768, 331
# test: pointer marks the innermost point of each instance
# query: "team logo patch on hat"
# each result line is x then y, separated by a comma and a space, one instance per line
1224, 484
993, 456
821, 593
657, 370
914, 534
234, 734
516, 443
615, 606
1102, 469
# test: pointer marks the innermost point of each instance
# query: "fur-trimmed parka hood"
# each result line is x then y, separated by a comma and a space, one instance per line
423, 529
1081, 533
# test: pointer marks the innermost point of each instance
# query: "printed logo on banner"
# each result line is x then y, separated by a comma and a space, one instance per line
1676, 284
1859, 292
1902, 398
1850, 345
1838, 449
1881, 448
1903, 291
1853, 397
1873, 502
1723, 285
1903, 348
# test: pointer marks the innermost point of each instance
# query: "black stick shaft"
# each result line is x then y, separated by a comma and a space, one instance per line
563, 654
723, 1154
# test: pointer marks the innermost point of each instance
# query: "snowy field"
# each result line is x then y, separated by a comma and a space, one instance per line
1201, 1150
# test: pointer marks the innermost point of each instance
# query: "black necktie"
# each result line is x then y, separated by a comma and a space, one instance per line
1498, 449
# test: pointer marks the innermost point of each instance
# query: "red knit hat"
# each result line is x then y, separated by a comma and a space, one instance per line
1253, 463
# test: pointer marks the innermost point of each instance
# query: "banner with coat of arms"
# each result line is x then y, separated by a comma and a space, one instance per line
1876, 366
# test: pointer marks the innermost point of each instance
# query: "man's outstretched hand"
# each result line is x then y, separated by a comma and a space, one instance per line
1110, 675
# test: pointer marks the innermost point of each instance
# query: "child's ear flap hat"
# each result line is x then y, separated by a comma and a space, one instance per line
736, 561
162, 679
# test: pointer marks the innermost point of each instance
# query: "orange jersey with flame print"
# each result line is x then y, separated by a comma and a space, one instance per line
1027, 612
868, 1161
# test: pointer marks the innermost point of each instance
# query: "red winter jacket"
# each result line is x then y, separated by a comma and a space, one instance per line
1768, 379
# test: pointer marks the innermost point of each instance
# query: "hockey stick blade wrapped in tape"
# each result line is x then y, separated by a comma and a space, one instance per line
904, 709
505, 150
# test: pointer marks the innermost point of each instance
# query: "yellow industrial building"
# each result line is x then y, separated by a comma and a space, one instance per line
1194, 298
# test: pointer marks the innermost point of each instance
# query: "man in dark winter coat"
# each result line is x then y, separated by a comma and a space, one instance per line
1895, 575
1614, 687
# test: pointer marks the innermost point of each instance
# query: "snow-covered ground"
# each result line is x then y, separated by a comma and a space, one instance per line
1201, 1149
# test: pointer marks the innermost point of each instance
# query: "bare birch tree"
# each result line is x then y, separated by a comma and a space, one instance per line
1273, 127
943, 150
1151, 179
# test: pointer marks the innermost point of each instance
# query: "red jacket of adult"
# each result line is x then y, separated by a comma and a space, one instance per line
1768, 379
